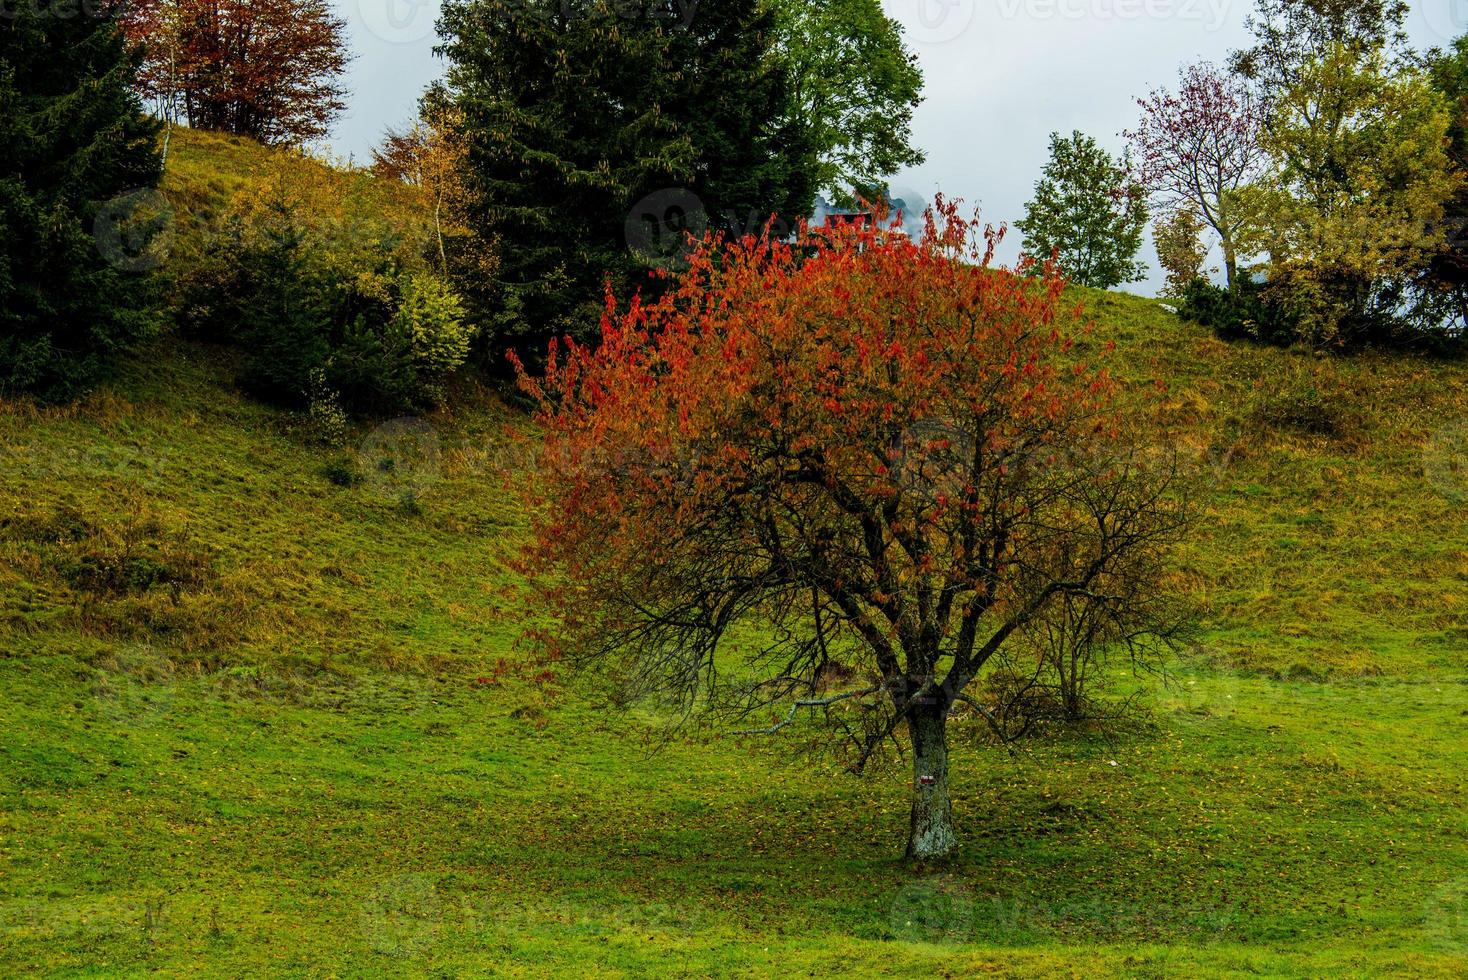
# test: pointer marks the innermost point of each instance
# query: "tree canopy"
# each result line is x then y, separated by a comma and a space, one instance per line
1352, 209
1088, 213
855, 86
267, 69
1196, 148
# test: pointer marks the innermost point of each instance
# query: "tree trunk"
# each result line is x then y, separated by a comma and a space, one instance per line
1230, 266
932, 836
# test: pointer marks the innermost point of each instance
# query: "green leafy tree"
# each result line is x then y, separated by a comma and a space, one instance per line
73, 145
855, 87
1088, 213
594, 136
1290, 35
1353, 209
1447, 275
1180, 250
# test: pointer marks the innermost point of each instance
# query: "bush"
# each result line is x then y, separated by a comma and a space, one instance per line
326, 422
327, 290
1249, 312
431, 315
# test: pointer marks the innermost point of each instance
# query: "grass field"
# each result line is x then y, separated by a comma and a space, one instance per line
265, 715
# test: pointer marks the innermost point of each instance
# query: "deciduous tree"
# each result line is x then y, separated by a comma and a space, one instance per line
1289, 35
1180, 251
267, 69
1353, 207
854, 449
1088, 212
855, 86
430, 156
1195, 149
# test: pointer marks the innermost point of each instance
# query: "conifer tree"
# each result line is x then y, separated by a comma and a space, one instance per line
596, 136
74, 149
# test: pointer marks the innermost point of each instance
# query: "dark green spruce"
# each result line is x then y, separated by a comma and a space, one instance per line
74, 145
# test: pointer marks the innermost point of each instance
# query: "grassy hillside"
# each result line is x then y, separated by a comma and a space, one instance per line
264, 715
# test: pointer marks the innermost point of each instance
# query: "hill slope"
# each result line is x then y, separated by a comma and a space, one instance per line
264, 715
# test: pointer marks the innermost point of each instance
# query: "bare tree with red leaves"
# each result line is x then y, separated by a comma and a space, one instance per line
267, 69
829, 481
1196, 148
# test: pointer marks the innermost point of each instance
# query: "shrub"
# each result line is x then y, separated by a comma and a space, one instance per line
329, 294
1249, 312
1180, 250
431, 315
341, 473
326, 422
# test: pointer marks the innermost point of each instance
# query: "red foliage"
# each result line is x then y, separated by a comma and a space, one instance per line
268, 69
782, 403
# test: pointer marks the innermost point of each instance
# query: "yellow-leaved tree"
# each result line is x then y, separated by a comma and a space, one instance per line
1353, 208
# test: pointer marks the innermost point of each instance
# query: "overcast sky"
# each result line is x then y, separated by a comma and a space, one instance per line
1000, 76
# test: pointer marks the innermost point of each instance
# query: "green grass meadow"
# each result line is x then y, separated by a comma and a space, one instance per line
264, 714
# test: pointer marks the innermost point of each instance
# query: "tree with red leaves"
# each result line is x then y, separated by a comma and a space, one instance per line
828, 481
1195, 149
267, 69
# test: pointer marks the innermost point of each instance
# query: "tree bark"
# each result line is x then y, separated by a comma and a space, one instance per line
932, 836
1230, 266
